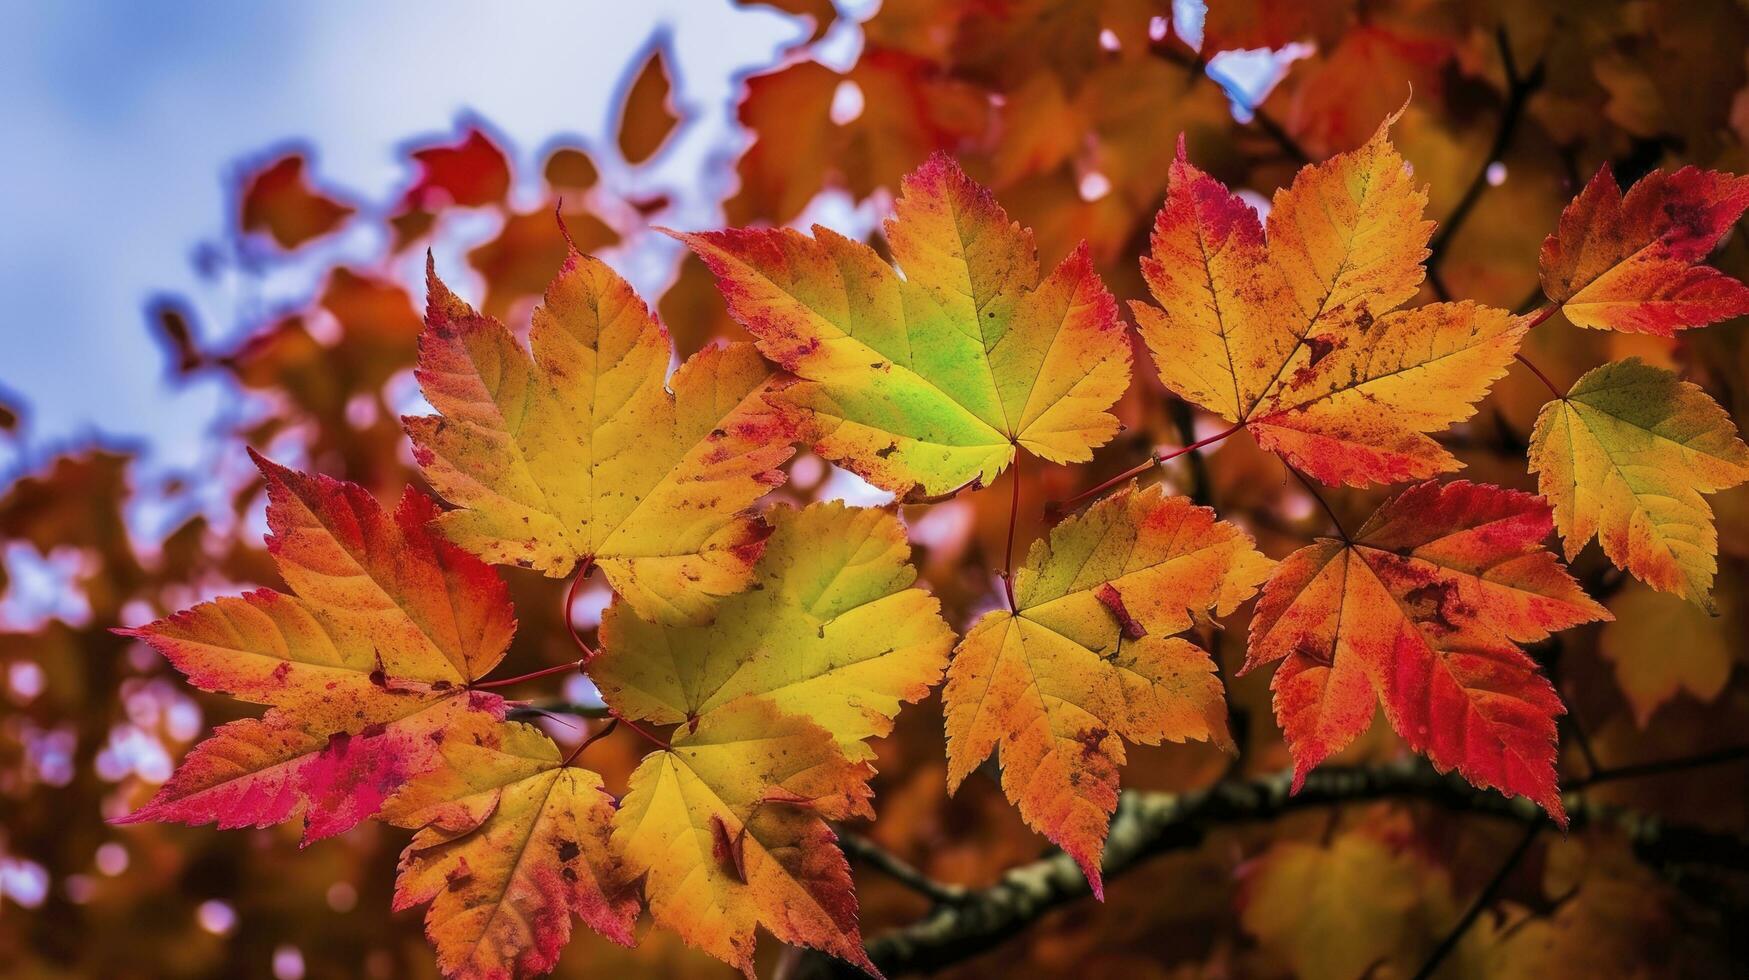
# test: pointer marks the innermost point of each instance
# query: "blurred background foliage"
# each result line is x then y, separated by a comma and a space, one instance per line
1071, 110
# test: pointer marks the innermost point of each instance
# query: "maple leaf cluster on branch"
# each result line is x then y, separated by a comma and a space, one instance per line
758, 653
1309, 367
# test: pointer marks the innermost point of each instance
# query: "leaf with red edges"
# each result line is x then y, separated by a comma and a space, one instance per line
1299, 337
512, 844
1631, 262
364, 665
1424, 610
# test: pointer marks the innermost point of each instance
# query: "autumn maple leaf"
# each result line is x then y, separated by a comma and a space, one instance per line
773, 701
1631, 262
1423, 610
927, 382
512, 842
1299, 338
727, 829
1628, 452
1089, 658
364, 667
577, 453
1626, 456
830, 629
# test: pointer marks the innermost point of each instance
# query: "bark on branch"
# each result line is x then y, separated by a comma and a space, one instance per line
1148, 824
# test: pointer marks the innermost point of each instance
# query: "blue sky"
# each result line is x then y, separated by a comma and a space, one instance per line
125, 121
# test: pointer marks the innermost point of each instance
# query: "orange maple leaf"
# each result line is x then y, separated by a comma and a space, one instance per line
1300, 338
1424, 610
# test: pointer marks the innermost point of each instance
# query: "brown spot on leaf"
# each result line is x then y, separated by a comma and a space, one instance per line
728, 849
1091, 739
1111, 599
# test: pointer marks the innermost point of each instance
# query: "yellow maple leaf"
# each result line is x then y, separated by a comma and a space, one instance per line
927, 382
830, 630
1368, 903
1089, 659
1626, 456
578, 452
1299, 338
1661, 646
511, 843
727, 829
773, 702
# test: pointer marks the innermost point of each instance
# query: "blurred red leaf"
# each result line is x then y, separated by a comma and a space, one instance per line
279, 201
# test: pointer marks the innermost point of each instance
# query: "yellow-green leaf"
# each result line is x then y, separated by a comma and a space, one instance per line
830, 630
926, 382
1626, 456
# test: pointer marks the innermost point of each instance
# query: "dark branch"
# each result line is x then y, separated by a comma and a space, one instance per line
1262, 120
1519, 89
1149, 824
865, 851
1483, 899
539, 708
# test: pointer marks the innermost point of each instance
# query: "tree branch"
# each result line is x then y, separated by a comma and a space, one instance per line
1149, 824
1519, 89
861, 849
539, 708
1483, 899
1262, 120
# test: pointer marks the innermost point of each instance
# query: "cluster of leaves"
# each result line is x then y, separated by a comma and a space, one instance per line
1107, 644
766, 647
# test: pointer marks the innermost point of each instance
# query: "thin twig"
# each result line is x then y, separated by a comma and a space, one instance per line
652, 739
1592, 768
1735, 753
865, 851
1274, 130
1184, 421
570, 601
605, 731
1484, 899
533, 675
1551, 664
1537, 318
1313, 490
1519, 89
560, 708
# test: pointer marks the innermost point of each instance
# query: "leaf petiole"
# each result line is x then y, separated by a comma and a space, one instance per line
576, 665
1140, 468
